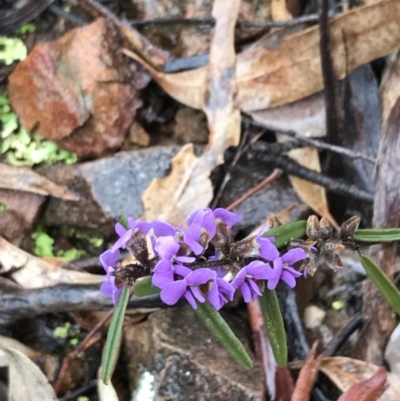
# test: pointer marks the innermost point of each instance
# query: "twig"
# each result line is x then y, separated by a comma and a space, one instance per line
239, 152
313, 142
80, 347
271, 178
81, 390
312, 18
59, 11
293, 168
345, 332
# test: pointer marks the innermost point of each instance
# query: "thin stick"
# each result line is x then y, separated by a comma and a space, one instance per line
313, 142
67, 360
271, 178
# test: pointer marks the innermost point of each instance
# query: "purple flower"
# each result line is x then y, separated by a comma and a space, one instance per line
109, 261
125, 235
246, 279
220, 293
167, 248
226, 217
201, 229
187, 286
283, 269
256, 247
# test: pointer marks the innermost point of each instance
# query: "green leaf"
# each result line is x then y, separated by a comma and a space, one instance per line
124, 221
223, 333
26, 28
385, 286
144, 287
274, 326
2, 207
43, 244
110, 353
377, 235
13, 49
287, 232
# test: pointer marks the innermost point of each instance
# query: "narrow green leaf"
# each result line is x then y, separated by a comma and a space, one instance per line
223, 333
274, 325
287, 232
144, 287
385, 286
377, 235
110, 352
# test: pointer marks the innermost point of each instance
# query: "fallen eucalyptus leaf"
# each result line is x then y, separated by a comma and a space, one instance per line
345, 372
106, 392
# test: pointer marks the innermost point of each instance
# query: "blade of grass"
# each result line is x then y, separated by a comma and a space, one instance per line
287, 232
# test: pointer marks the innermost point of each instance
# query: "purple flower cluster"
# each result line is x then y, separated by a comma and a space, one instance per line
200, 262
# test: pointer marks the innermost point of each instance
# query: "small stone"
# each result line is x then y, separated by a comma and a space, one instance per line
313, 316
138, 136
76, 91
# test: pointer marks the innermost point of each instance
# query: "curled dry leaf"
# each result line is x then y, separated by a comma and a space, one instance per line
345, 372
270, 77
215, 95
306, 378
367, 390
33, 272
26, 380
390, 86
25, 179
312, 194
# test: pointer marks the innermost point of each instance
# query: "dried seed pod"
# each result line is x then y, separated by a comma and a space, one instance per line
128, 274
138, 246
326, 229
310, 264
313, 228
349, 227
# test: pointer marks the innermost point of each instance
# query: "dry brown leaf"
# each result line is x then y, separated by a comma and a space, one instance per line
33, 272
25, 179
390, 85
106, 392
215, 96
270, 77
279, 10
26, 380
312, 194
345, 372
160, 200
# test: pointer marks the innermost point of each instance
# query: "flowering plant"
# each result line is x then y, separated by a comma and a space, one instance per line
202, 263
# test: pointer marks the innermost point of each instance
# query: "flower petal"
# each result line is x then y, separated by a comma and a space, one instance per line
189, 297
116, 295
172, 292
144, 226
267, 249
208, 223
131, 222
294, 255
120, 229
167, 247
238, 280
288, 279
245, 289
295, 273
107, 288
225, 288
255, 289
162, 229
197, 294
182, 270
163, 273
200, 276
213, 296
227, 217
259, 270
109, 259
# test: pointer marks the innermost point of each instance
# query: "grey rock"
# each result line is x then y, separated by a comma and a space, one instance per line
107, 187
186, 362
